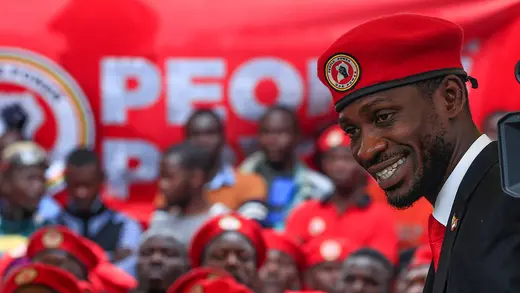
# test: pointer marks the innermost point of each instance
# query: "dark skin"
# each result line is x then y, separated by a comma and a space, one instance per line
278, 139
414, 279
346, 174
206, 130
161, 261
34, 289
279, 273
233, 253
362, 274
22, 187
10, 137
426, 136
62, 260
324, 277
182, 187
84, 184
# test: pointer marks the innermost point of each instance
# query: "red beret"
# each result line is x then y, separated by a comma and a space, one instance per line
61, 238
389, 52
421, 256
190, 279
279, 241
324, 249
39, 274
112, 279
332, 137
227, 223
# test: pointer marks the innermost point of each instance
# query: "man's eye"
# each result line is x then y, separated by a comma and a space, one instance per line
351, 131
380, 118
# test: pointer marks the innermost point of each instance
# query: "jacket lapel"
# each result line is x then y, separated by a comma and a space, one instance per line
484, 161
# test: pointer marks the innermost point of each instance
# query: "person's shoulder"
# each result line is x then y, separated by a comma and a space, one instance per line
310, 205
320, 184
251, 162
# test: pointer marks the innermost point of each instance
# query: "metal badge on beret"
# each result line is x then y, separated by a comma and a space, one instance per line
330, 250
52, 239
24, 153
25, 276
342, 72
197, 289
316, 226
229, 223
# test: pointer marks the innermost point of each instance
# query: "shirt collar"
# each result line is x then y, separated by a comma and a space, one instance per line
446, 197
224, 177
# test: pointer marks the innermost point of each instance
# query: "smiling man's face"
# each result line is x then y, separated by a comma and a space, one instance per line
399, 137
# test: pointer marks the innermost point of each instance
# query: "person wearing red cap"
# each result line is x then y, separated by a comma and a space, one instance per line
60, 247
323, 259
162, 259
283, 264
232, 243
340, 214
413, 278
202, 280
400, 90
366, 271
39, 278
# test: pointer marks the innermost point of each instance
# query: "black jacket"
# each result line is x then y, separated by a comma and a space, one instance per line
482, 253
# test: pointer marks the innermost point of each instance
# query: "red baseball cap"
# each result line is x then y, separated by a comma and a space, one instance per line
51, 277
388, 52
333, 137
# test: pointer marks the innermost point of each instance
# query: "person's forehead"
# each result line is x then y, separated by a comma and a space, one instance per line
277, 118
231, 240
400, 96
162, 242
172, 161
364, 263
203, 122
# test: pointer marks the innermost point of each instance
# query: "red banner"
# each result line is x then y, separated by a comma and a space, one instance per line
124, 75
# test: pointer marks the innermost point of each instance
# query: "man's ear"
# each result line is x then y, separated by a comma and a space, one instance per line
453, 94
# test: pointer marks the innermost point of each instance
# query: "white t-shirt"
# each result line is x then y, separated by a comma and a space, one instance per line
184, 227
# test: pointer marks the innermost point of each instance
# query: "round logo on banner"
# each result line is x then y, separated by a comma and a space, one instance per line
59, 113
342, 72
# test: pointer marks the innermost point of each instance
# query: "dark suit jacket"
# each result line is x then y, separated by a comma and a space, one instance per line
482, 253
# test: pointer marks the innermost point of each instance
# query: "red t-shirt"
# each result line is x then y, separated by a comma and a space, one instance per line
371, 225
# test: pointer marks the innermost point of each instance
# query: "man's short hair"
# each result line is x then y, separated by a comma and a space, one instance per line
283, 109
192, 156
82, 156
429, 86
201, 112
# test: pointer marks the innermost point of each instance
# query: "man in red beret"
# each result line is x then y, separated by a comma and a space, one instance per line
323, 259
400, 90
232, 243
39, 278
207, 280
284, 262
340, 213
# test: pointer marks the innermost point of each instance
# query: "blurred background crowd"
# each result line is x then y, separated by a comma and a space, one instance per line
141, 143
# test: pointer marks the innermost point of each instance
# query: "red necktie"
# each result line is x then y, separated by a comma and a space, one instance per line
436, 233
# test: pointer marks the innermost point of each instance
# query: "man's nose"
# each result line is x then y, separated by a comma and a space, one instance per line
370, 147
232, 260
156, 258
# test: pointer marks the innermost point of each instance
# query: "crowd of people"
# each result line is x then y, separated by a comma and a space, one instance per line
275, 222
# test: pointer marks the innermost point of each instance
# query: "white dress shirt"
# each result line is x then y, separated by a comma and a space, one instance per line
446, 197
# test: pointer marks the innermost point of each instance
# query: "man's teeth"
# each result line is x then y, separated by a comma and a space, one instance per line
389, 171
